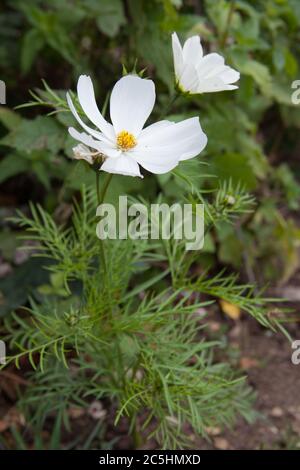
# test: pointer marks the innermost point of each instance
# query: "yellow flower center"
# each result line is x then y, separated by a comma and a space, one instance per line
125, 140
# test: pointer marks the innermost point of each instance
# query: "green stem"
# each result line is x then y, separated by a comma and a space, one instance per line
169, 106
97, 172
136, 436
105, 188
100, 198
228, 23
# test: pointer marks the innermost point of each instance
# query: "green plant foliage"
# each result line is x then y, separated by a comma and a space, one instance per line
142, 353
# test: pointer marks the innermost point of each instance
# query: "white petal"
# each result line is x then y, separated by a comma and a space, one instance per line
85, 139
189, 78
86, 96
214, 84
149, 133
131, 103
111, 152
171, 134
156, 159
214, 75
230, 75
169, 143
192, 50
103, 147
177, 55
155, 151
123, 165
208, 66
195, 141
98, 135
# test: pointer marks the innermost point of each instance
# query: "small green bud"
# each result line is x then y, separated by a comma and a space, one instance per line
71, 318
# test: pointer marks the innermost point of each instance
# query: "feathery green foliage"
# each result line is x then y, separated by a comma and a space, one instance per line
120, 335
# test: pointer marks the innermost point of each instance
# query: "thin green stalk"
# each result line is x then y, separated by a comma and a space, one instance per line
136, 436
100, 198
97, 172
228, 23
169, 106
105, 188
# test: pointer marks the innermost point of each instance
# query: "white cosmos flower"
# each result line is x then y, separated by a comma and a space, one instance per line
196, 73
124, 143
